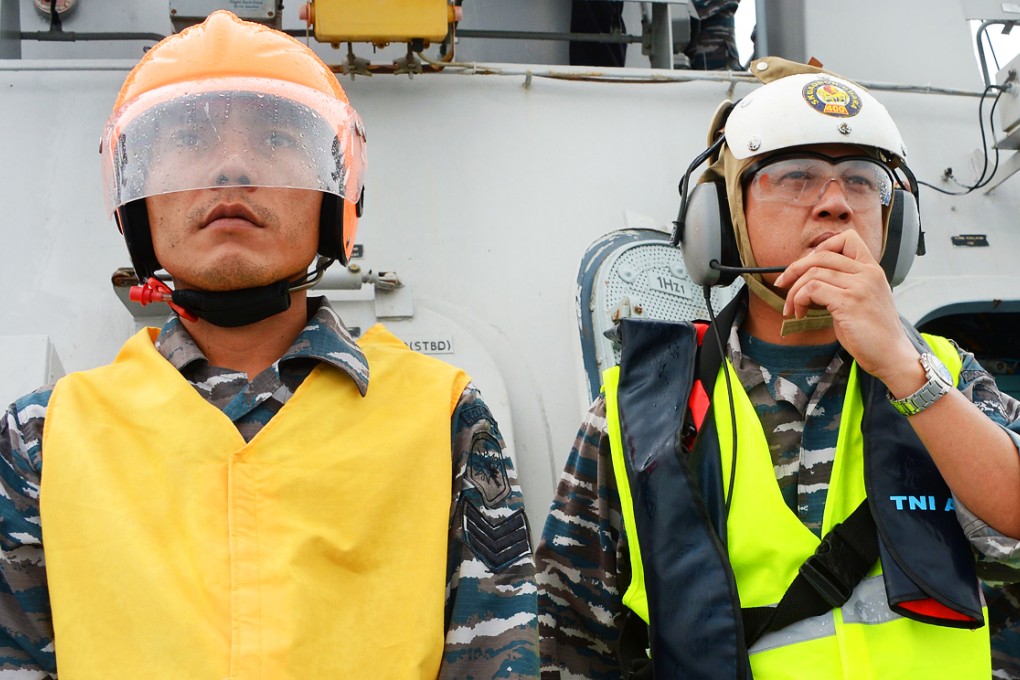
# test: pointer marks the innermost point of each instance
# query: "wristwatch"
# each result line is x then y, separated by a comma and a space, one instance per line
939, 383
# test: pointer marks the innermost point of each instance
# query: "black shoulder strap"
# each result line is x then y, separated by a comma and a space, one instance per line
826, 579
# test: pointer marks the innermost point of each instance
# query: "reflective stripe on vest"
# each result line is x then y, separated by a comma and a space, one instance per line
176, 550
859, 639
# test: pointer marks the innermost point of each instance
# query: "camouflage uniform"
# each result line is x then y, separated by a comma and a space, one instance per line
491, 627
713, 45
583, 560
1004, 621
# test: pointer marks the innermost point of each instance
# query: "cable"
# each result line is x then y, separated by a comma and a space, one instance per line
982, 181
728, 498
310, 279
984, 178
991, 48
714, 264
991, 124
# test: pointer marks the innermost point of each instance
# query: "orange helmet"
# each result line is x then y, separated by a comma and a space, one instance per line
228, 87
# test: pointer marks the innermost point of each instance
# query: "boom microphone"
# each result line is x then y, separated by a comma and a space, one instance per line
714, 264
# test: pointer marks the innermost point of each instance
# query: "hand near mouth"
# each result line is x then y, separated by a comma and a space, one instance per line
842, 275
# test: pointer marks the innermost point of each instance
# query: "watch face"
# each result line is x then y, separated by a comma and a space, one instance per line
936, 369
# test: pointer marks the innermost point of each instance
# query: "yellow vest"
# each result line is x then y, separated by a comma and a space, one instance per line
863, 639
317, 550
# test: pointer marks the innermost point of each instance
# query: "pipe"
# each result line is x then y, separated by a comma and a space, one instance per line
72, 36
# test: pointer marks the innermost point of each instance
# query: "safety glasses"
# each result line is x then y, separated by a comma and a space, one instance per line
801, 179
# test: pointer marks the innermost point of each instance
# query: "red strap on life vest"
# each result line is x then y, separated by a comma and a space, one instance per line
701, 327
933, 609
698, 402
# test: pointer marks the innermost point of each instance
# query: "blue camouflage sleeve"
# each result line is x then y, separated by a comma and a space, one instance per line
491, 608
26, 627
998, 555
582, 563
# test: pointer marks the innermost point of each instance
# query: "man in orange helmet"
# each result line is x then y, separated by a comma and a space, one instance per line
311, 532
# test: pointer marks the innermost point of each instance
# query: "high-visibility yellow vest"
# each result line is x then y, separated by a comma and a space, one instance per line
317, 550
864, 638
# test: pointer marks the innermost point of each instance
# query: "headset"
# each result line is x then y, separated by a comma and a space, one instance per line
704, 230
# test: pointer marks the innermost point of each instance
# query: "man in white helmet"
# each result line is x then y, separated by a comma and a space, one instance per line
248, 492
799, 494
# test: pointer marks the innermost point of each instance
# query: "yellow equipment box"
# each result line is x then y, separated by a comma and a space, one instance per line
379, 21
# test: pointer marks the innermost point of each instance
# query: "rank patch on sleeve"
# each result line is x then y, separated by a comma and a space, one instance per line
486, 469
496, 542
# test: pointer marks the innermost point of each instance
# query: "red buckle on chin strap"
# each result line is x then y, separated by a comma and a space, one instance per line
154, 290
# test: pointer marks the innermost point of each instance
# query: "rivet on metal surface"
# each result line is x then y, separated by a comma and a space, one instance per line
844, 128
754, 144
626, 273
762, 66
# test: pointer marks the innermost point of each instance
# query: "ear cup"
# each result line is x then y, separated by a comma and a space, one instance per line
338, 225
707, 235
902, 240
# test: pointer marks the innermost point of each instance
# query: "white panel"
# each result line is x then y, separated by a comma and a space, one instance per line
925, 42
31, 362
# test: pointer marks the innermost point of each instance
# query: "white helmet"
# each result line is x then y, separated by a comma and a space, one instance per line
810, 108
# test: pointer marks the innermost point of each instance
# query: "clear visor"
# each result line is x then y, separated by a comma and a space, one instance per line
239, 131
803, 179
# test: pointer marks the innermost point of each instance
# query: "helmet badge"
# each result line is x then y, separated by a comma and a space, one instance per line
832, 98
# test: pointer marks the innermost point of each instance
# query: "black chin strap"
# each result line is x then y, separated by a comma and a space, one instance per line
232, 308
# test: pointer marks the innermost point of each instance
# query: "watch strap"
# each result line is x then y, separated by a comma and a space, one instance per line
930, 392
